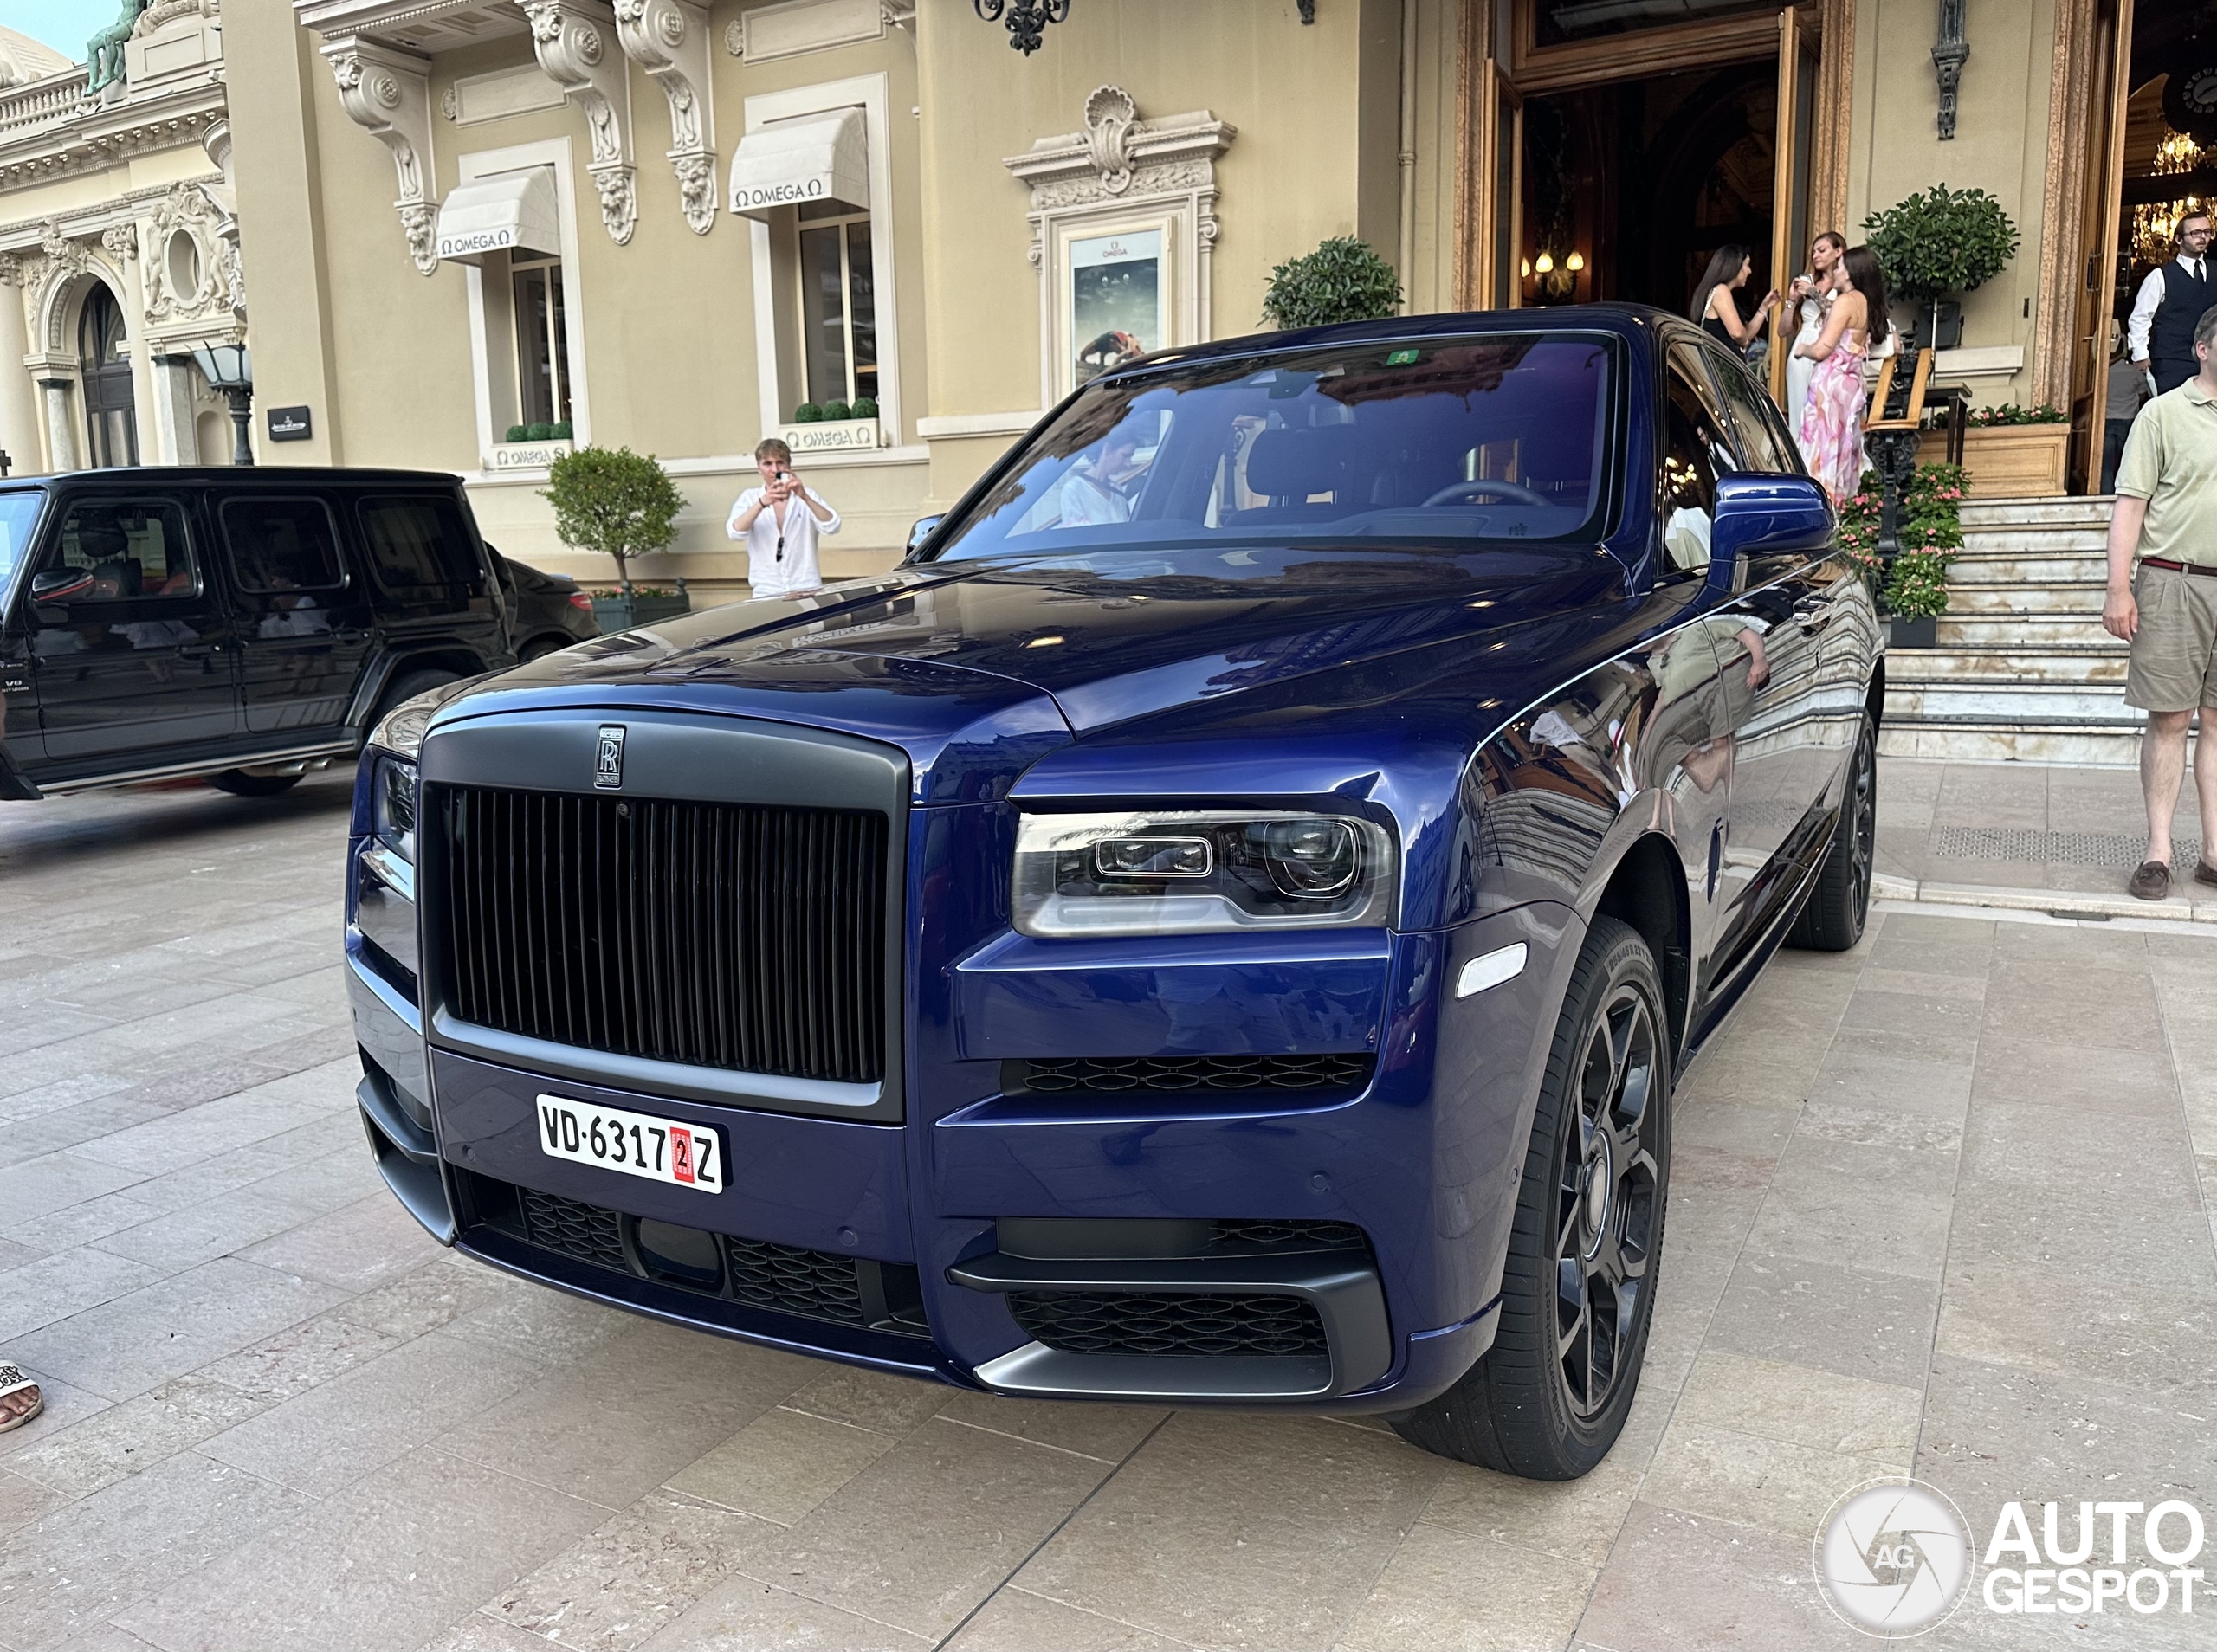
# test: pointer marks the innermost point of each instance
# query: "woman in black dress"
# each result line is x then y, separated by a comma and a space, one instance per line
1716, 308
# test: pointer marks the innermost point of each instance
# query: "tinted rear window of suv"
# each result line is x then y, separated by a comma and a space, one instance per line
419, 546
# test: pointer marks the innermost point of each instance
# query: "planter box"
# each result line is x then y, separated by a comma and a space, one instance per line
832, 435
1913, 633
622, 613
2007, 460
526, 455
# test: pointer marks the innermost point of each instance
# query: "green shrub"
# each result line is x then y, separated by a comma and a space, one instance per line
615, 501
865, 407
2017, 413
542, 431
807, 413
1941, 243
1343, 281
1918, 588
518, 433
562, 432
836, 410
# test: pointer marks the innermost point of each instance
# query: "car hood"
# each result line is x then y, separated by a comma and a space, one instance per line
1037, 652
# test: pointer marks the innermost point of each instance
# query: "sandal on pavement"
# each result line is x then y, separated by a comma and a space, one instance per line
2151, 882
13, 1385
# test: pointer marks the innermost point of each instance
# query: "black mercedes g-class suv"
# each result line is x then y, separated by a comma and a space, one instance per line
241, 625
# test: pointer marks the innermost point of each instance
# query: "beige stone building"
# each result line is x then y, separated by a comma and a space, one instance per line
470, 226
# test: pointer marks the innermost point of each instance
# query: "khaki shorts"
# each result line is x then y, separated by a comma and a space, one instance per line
2174, 666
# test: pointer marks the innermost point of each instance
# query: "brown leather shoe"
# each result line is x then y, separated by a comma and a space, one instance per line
2151, 882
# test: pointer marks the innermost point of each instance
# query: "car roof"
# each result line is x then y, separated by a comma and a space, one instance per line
275, 475
1631, 320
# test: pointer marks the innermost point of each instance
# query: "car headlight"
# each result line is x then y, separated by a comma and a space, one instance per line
392, 798
1182, 873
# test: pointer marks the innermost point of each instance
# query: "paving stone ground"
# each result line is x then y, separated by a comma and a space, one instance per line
1941, 1204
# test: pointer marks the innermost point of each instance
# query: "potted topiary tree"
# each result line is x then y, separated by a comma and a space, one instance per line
1935, 247
1343, 281
621, 504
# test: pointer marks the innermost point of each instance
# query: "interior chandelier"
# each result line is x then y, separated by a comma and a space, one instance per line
2155, 223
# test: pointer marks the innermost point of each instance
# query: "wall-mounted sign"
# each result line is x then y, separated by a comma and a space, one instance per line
834, 435
290, 424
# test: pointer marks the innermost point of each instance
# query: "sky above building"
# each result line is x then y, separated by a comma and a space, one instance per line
66, 25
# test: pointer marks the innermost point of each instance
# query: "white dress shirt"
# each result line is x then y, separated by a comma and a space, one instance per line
769, 571
2150, 299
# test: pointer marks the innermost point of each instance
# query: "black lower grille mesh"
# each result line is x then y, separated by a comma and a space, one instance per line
1114, 1074
584, 1231
1302, 1235
1139, 1323
727, 935
812, 1283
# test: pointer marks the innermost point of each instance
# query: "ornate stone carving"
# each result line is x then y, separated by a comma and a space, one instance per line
450, 104
571, 40
1109, 112
61, 252
1948, 60
669, 40
192, 274
11, 270
121, 241
387, 93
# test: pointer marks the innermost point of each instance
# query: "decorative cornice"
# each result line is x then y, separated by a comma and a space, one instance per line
387, 93
87, 137
669, 40
576, 43
1117, 146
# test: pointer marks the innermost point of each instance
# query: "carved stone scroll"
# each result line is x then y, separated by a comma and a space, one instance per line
387, 93
669, 40
580, 51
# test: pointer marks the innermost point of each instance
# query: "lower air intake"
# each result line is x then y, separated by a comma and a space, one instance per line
1139, 1323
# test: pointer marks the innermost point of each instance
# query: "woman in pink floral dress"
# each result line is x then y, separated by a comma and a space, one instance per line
1832, 422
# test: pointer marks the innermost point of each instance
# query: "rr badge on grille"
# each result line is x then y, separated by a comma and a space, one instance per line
608, 761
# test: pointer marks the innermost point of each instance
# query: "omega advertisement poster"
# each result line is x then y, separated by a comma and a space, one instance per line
1116, 299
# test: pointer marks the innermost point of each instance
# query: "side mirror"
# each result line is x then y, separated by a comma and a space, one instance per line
1764, 515
60, 584
922, 530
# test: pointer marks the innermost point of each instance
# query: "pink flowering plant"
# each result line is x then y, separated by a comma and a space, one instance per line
1931, 532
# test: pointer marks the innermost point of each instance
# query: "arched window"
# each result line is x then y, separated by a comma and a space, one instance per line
104, 365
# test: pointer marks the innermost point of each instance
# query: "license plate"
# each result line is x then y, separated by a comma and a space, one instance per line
637, 1143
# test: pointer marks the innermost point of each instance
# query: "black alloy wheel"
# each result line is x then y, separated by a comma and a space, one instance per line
1606, 1196
1840, 902
1577, 1286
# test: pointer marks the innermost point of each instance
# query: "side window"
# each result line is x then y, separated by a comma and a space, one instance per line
1694, 454
1763, 433
281, 545
420, 547
127, 549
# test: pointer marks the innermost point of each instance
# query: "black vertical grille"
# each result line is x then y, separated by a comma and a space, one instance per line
727, 935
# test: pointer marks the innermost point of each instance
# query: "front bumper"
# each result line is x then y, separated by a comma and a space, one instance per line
889, 1239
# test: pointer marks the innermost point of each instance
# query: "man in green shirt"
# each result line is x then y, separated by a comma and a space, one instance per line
2166, 515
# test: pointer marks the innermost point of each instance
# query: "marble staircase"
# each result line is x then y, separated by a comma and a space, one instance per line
2023, 671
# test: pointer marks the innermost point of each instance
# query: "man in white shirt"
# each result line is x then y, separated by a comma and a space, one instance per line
780, 521
2160, 333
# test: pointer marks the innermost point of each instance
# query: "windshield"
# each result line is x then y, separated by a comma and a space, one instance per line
18, 516
1497, 437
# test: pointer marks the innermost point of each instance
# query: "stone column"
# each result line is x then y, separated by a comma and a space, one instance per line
19, 415
60, 423
170, 410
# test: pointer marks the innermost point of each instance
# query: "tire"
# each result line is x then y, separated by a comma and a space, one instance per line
1838, 906
538, 648
405, 687
245, 783
1550, 1397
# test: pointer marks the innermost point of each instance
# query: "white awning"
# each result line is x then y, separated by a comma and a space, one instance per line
506, 212
810, 158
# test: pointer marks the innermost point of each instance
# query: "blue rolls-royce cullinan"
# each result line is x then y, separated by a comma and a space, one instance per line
1219, 923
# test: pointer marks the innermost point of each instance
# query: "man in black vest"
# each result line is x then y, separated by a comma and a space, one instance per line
2171, 300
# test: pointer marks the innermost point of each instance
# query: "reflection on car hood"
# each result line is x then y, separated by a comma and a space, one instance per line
978, 652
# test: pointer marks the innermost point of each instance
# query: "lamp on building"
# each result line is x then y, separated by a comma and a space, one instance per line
230, 370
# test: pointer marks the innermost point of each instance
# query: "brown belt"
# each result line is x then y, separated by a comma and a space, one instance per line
2202, 568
